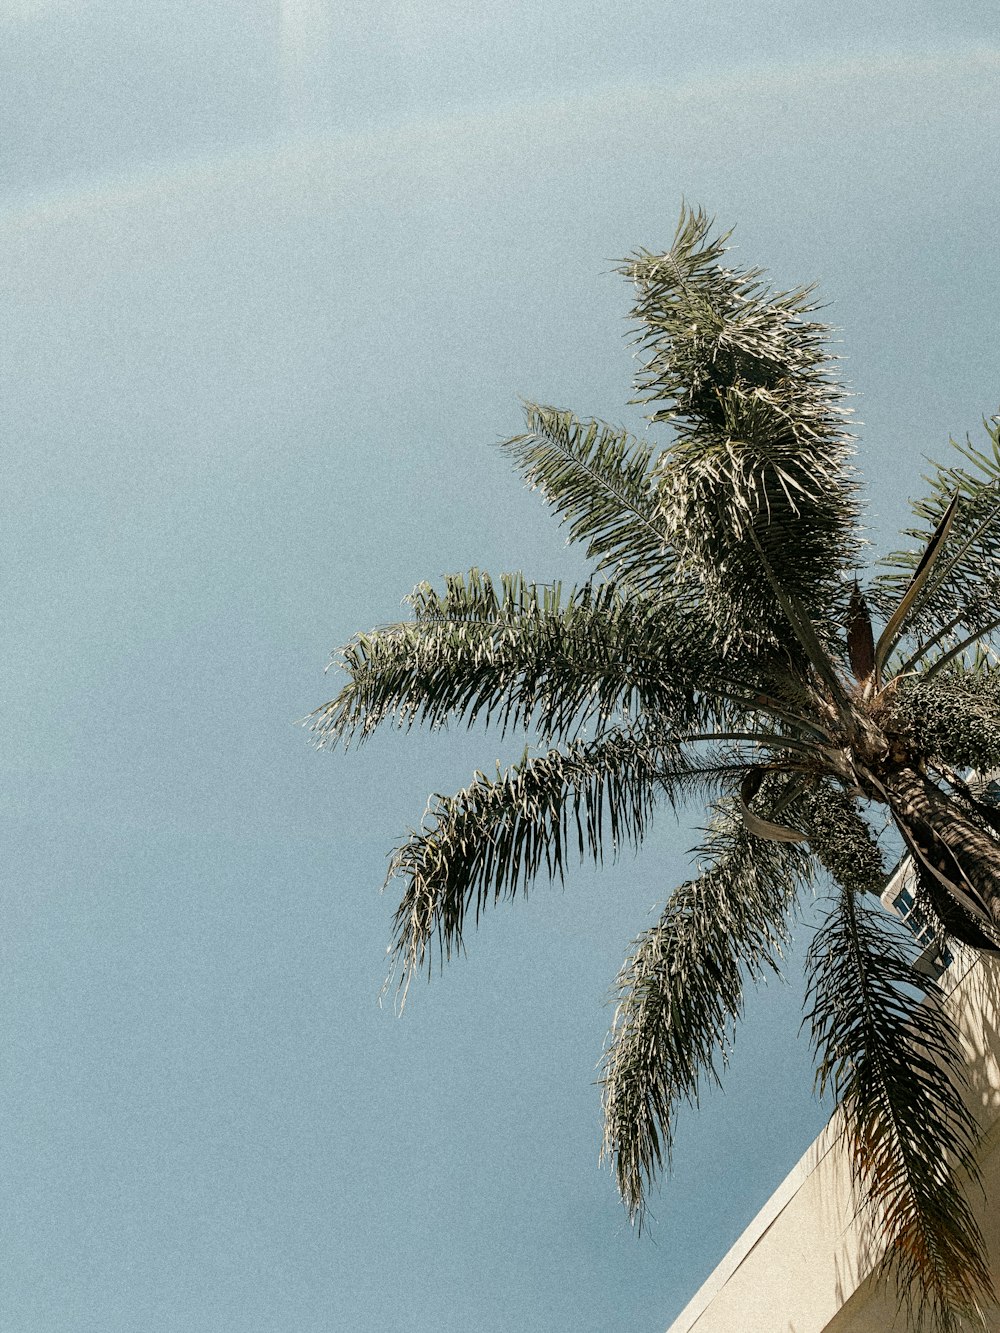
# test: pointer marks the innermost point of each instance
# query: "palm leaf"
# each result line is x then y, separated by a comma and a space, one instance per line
600, 481
961, 602
888, 1050
517, 654
798, 620
957, 649
890, 635
744, 377
681, 990
490, 840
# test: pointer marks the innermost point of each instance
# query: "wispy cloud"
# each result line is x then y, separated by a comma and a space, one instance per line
309, 171
25, 11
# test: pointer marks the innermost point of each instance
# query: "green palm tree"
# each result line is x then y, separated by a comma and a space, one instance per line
724, 647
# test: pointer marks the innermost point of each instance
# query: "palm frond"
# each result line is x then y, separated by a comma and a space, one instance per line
960, 602
797, 618
681, 991
487, 842
745, 378
945, 646
490, 840
516, 654
888, 1051
921, 579
600, 481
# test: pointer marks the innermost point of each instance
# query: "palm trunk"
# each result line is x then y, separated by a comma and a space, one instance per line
957, 860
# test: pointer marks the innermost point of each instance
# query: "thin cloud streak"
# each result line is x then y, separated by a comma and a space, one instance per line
537, 123
26, 11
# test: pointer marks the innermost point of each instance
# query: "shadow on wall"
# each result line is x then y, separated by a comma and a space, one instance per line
978, 1016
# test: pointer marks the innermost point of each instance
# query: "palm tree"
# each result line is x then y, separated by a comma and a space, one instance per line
725, 647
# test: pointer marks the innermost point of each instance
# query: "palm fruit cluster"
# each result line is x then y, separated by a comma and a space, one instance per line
842, 841
953, 716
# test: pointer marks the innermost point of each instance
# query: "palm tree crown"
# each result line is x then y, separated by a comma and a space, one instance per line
724, 646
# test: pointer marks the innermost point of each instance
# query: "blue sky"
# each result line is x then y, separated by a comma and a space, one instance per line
274, 278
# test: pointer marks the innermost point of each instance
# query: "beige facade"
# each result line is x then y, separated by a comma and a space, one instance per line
804, 1265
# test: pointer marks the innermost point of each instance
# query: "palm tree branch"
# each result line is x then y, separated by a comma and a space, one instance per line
926, 644
890, 635
802, 627
600, 480
758, 703
490, 840
956, 561
966, 584
889, 1052
961, 647
681, 991
768, 739
517, 654
744, 377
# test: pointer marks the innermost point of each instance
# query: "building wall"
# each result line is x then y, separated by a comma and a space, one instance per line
805, 1263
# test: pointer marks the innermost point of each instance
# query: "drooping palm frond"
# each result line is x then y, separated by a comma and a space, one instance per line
490, 840
518, 654
745, 378
887, 1049
960, 603
681, 991
600, 480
